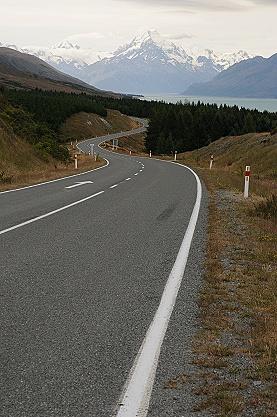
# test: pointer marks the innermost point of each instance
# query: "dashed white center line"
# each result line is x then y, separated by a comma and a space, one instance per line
136, 173
127, 179
113, 186
50, 213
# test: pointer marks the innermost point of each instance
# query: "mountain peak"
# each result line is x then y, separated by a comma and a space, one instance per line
66, 45
152, 47
150, 36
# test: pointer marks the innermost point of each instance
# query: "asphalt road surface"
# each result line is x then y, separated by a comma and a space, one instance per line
84, 264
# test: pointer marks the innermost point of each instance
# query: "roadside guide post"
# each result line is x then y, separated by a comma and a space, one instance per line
92, 149
130, 153
76, 161
246, 181
150, 154
211, 161
175, 156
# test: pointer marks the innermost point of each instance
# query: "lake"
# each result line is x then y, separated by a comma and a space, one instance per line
260, 104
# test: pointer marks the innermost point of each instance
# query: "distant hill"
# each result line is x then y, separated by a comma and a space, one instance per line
256, 77
21, 70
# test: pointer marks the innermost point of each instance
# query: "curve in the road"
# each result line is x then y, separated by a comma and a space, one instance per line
35, 203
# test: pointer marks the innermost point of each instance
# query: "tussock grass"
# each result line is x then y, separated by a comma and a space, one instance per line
267, 208
21, 164
87, 125
235, 352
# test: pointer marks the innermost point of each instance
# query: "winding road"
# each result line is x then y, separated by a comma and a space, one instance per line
91, 268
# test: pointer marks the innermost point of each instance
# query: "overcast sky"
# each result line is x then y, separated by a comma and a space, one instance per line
103, 25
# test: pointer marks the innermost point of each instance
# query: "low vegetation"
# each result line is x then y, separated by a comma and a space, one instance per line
267, 208
180, 127
52, 108
87, 125
32, 152
235, 351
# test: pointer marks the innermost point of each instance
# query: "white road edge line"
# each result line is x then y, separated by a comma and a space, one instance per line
57, 179
79, 184
134, 401
50, 213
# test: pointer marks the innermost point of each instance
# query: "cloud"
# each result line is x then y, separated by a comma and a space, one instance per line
89, 35
208, 5
176, 37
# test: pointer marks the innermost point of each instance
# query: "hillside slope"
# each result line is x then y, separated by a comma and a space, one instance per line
21, 70
256, 77
86, 125
23, 164
233, 153
17, 155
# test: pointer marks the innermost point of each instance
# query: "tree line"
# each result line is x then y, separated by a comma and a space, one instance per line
53, 108
172, 127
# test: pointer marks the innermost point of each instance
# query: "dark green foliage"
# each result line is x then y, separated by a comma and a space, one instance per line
188, 126
52, 108
185, 127
173, 127
35, 132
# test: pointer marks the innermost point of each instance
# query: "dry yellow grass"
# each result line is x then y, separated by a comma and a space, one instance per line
232, 154
134, 143
87, 125
238, 304
20, 165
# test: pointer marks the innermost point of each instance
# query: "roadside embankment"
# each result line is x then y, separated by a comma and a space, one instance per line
235, 349
22, 164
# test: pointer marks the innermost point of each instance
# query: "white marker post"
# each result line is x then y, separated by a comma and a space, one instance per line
113, 145
76, 161
92, 149
175, 156
130, 153
211, 161
246, 181
150, 154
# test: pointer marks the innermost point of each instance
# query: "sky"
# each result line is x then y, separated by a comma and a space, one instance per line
224, 26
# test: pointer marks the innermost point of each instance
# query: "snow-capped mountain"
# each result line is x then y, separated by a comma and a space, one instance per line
221, 61
148, 64
151, 64
67, 45
65, 56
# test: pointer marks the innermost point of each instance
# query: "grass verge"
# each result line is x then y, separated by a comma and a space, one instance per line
235, 352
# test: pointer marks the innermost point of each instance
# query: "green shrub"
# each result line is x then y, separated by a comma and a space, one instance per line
4, 178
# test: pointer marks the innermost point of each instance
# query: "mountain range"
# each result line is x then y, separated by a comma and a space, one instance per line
22, 70
255, 78
148, 64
